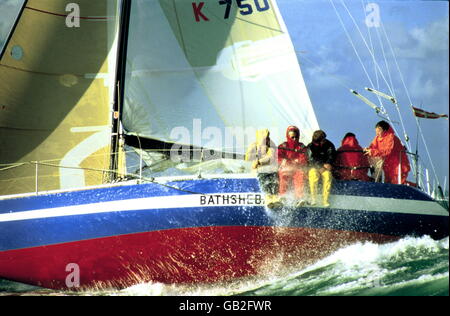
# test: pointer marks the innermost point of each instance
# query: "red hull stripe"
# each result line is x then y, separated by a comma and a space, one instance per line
200, 254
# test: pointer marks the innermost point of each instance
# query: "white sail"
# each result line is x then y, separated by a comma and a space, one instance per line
209, 73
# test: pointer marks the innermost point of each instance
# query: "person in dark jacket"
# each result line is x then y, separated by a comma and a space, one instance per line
351, 163
321, 154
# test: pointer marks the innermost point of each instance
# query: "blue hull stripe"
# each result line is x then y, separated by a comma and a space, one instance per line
54, 230
204, 186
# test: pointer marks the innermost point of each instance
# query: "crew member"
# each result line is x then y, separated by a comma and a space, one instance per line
293, 162
263, 155
321, 154
350, 162
390, 149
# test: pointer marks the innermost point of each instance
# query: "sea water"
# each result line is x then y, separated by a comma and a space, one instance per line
409, 266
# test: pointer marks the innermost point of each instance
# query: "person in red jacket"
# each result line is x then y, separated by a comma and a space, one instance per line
293, 162
350, 162
389, 148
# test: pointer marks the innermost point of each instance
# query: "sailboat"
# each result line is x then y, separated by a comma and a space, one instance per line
123, 127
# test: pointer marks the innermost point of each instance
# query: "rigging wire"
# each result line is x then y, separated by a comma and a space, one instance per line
379, 68
339, 80
377, 79
390, 83
365, 43
405, 134
409, 99
374, 59
357, 55
411, 104
350, 40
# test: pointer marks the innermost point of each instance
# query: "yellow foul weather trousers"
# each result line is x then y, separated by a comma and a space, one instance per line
314, 177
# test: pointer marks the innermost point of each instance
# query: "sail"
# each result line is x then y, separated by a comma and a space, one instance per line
57, 75
210, 73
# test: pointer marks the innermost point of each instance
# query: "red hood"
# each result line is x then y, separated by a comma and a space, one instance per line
350, 141
389, 131
291, 142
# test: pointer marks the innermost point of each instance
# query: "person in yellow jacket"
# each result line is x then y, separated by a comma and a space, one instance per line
321, 154
263, 155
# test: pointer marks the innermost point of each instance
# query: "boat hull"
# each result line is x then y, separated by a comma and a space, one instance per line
193, 231
202, 254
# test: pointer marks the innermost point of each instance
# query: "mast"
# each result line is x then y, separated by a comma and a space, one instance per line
119, 85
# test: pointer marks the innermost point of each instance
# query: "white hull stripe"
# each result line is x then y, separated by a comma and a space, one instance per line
355, 203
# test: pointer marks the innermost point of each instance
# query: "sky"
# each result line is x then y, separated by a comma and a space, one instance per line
409, 41
413, 35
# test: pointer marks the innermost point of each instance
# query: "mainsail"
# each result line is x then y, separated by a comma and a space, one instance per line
209, 73
57, 86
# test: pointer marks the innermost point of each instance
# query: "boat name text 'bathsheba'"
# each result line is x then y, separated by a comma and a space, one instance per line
232, 199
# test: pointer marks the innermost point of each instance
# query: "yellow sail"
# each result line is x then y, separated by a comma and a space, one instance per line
57, 78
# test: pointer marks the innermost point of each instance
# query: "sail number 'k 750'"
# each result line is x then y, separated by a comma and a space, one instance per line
246, 7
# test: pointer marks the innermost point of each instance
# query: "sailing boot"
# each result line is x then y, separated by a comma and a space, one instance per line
273, 201
268, 200
313, 176
327, 179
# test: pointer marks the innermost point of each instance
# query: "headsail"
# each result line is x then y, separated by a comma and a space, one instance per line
57, 82
208, 72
